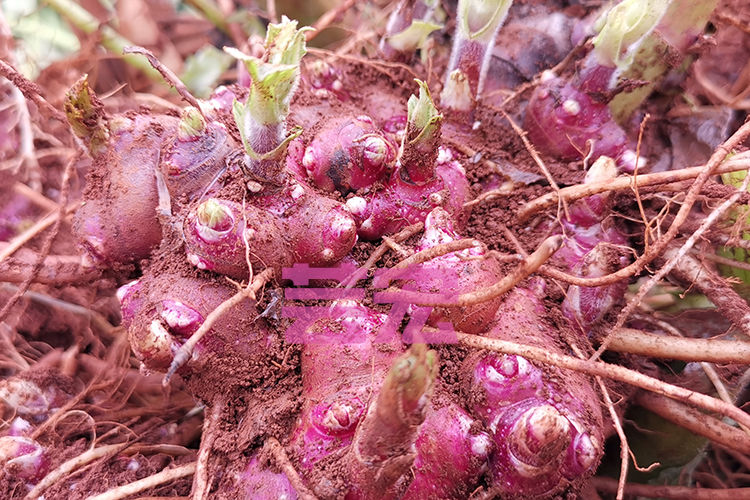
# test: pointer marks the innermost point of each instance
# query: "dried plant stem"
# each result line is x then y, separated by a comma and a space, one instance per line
210, 428
186, 349
213, 14
55, 270
274, 448
72, 465
722, 260
96, 318
47, 244
571, 193
693, 273
8, 349
647, 224
598, 368
157, 479
686, 349
35, 197
679, 254
110, 39
34, 230
707, 367
163, 498
504, 190
30, 90
395, 246
524, 269
167, 74
437, 251
624, 447
327, 18
557, 274
26, 134
695, 421
718, 384
608, 485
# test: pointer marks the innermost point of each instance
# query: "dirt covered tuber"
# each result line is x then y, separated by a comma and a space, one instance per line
546, 428
373, 430
161, 314
426, 176
349, 154
118, 223
332, 286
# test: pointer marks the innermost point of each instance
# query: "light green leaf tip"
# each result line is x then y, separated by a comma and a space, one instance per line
479, 19
413, 37
626, 25
422, 115
275, 76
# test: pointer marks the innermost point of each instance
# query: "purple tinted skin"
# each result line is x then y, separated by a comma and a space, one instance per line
337, 379
19, 427
531, 440
593, 78
594, 209
295, 226
349, 154
29, 400
565, 122
260, 483
131, 301
320, 230
364, 400
191, 163
118, 223
581, 240
400, 19
452, 455
542, 444
181, 319
244, 79
395, 125
329, 426
221, 100
591, 210
382, 453
456, 273
590, 251
23, 458
505, 380
218, 244
294, 154
171, 307
402, 203
585, 306
325, 79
